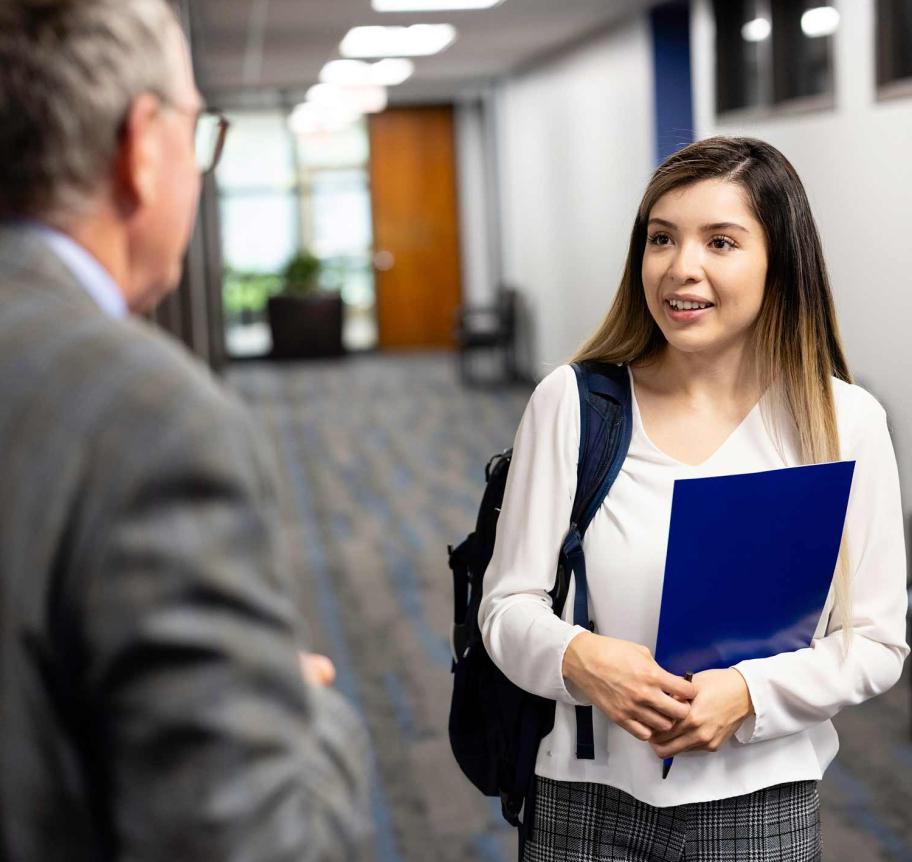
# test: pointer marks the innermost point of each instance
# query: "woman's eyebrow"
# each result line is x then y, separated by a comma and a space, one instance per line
717, 225
724, 225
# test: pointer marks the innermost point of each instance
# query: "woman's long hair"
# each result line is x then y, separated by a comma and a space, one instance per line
795, 340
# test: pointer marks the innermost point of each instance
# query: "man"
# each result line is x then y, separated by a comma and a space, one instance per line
151, 703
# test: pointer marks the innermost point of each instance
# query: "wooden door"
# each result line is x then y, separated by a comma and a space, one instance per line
416, 234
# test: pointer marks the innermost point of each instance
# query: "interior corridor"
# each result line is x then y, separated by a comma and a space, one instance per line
382, 461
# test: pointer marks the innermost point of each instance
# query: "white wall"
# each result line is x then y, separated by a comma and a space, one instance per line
856, 164
478, 276
575, 152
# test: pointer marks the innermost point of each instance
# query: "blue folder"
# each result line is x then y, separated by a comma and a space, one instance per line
749, 565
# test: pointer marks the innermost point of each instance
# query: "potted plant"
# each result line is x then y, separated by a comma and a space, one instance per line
305, 320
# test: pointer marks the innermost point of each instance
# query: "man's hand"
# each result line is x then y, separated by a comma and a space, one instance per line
623, 680
722, 702
317, 669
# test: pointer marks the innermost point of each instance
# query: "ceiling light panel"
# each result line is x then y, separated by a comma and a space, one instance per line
313, 118
369, 99
757, 30
432, 5
392, 71
419, 40
357, 73
820, 21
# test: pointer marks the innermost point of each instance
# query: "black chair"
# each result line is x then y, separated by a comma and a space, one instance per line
490, 328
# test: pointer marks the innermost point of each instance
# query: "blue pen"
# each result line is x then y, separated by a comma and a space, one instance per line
666, 763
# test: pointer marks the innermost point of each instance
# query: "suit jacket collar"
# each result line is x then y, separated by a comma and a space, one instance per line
26, 256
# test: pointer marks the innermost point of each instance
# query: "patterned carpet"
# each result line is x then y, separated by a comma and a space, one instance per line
383, 459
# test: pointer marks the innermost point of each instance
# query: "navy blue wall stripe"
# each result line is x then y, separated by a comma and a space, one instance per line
671, 58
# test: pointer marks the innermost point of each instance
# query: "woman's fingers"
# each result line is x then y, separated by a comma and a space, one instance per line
657, 722
640, 731
685, 742
623, 680
673, 709
677, 686
678, 731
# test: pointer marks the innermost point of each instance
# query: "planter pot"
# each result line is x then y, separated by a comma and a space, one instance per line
305, 327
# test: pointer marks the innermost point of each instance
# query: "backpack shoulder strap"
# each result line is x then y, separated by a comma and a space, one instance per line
606, 419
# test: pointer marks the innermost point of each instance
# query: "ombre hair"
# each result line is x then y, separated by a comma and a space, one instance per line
795, 339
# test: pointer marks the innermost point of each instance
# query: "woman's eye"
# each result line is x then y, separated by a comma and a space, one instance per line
722, 242
659, 239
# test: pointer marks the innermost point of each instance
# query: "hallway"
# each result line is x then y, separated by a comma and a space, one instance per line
383, 465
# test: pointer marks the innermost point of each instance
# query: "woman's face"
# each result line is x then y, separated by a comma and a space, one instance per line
704, 248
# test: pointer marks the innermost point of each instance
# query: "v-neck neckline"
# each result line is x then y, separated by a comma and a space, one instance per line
638, 421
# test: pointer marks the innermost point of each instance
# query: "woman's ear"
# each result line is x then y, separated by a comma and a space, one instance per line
141, 154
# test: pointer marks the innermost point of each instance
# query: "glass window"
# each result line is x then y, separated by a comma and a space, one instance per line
771, 52
341, 212
803, 48
258, 153
742, 43
894, 41
339, 148
280, 193
259, 230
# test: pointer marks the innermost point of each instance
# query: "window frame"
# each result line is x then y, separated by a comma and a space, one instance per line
772, 108
887, 86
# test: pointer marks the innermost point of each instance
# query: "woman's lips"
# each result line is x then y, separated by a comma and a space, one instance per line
684, 315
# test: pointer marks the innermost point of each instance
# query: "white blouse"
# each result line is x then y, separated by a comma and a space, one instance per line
794, 694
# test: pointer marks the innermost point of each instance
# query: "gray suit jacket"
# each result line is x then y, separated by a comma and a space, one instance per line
151, 706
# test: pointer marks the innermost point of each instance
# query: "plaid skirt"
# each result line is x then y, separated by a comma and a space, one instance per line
581, 822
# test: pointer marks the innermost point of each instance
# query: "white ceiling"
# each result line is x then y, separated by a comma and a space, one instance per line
253, 51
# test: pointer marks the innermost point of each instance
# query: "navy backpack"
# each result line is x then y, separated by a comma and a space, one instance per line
495, 727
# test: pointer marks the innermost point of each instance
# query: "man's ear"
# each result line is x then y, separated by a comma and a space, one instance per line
139, 163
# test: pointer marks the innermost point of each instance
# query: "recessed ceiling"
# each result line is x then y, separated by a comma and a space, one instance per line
266, 51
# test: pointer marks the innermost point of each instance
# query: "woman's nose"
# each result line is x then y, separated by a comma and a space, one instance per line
686, 265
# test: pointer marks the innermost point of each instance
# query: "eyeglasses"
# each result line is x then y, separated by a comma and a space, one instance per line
210, 131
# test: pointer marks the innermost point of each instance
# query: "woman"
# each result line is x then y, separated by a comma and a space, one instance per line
725, 320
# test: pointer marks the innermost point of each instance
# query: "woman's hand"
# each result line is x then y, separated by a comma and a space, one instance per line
722, 702
622, 680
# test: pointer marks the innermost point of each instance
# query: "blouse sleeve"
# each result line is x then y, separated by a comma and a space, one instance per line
795, 690
522, 634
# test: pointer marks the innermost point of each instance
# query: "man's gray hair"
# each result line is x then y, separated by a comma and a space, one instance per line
69, 71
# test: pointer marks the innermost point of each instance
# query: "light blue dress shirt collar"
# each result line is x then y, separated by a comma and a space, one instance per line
90, 274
